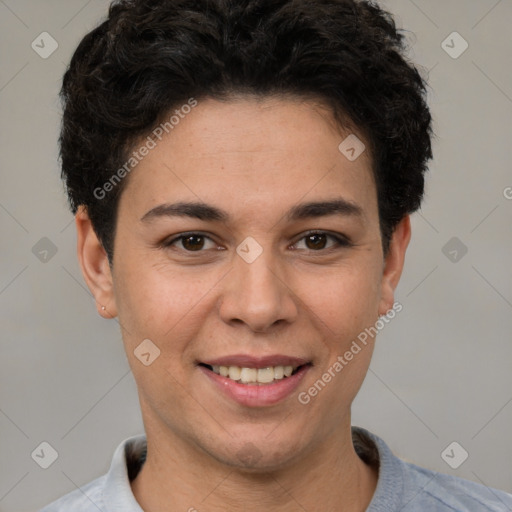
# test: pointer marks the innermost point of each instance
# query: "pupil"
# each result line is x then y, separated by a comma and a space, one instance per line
316, 237
196, 244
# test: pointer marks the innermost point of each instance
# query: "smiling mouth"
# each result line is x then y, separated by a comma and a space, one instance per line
255, 376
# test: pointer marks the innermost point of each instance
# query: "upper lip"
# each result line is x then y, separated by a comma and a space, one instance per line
247, 361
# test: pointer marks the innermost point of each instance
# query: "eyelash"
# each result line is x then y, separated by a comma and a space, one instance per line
340, 241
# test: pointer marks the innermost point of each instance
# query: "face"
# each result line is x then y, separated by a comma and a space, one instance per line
246, 239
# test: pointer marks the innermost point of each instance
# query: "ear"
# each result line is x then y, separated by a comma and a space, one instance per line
94, 264
394, 264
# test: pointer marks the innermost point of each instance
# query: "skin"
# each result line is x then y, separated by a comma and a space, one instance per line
255, 159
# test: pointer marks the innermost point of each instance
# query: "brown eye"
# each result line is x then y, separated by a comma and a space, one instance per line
191, 242
319, 241
316, 241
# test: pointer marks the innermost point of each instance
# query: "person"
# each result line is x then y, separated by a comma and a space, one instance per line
242, 175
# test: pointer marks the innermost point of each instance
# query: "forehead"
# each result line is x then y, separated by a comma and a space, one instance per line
252, 153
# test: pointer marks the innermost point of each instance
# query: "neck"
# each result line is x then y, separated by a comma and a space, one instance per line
179, 477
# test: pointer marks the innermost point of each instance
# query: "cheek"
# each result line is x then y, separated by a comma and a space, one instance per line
345, 300
151, 300
159, 308
167, 308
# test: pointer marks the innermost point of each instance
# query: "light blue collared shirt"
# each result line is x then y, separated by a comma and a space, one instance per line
401, 487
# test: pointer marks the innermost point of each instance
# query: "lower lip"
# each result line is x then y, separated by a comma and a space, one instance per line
254, 395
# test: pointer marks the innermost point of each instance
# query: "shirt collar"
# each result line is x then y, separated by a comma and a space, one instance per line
131, 454
128, 458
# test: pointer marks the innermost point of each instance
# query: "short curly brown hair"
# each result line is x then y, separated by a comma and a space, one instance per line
151, 56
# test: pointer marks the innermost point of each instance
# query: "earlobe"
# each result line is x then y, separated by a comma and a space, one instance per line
94, 264
394, 264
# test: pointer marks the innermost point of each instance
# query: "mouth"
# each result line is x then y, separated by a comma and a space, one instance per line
255, 381
255, 376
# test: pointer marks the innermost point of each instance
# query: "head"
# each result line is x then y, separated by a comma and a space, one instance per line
286, 142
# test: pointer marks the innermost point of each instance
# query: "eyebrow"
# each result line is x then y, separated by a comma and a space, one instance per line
206, 212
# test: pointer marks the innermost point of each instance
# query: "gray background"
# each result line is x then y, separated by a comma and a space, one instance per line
442, 369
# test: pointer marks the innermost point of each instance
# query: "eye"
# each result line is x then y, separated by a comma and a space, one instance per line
191, 242
316, 241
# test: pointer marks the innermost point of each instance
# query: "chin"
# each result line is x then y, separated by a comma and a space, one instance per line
258, 455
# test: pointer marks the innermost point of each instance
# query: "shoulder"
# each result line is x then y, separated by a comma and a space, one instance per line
407, 487
430, 490
111, 491
88, 498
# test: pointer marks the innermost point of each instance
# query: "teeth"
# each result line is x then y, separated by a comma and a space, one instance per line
278, 372
234, 372
254, 375
266, 375
248, 375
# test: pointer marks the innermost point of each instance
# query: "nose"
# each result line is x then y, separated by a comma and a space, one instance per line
258, 294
